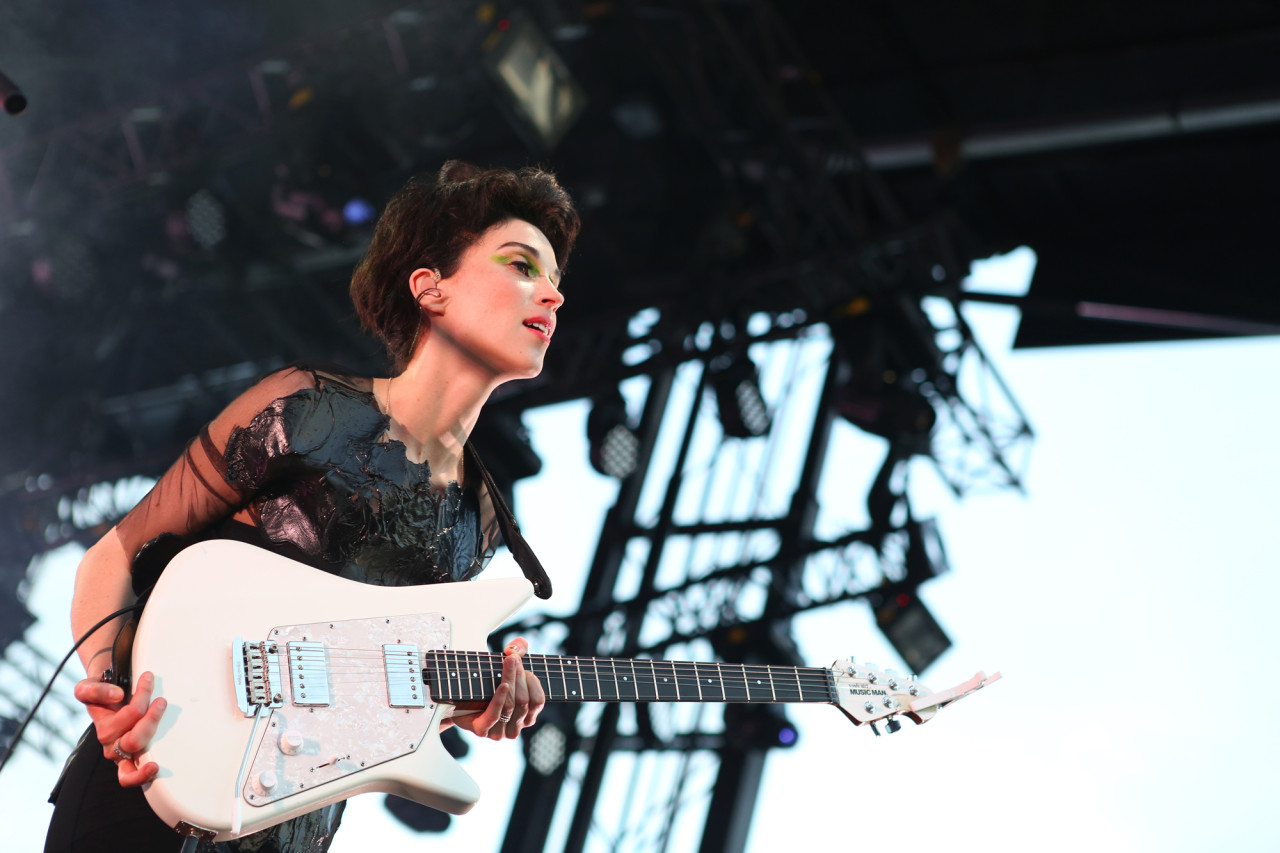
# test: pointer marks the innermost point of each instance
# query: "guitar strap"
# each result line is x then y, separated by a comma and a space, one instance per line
520, 550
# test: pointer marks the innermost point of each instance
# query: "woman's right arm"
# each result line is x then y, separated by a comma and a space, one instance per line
102, 587
192, 494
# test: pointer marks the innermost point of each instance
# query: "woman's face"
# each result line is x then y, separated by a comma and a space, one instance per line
499, 306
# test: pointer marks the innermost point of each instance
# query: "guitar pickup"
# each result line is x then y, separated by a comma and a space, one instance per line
403, 663
309, 673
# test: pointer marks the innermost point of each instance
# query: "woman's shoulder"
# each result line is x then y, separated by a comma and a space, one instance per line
297, 388
326, 376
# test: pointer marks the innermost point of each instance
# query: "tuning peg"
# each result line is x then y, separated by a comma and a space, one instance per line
892, 724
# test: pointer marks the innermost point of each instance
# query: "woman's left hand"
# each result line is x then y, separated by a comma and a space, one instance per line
516, 702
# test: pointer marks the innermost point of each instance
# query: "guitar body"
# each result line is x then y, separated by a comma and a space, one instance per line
349, 711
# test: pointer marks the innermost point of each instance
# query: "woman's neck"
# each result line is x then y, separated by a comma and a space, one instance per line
433, 405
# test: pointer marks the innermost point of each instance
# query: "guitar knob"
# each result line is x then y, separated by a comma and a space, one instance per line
291, 742
266, 780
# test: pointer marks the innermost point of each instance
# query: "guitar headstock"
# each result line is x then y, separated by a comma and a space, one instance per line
867, 694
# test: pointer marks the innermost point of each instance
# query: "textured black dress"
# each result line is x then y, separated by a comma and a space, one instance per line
304, 460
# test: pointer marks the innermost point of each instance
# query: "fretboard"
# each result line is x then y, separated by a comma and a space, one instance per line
473, 676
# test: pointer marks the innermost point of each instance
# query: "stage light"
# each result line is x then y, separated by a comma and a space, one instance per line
206, 219
358, 212
546, 749
614, 447
743, 411
883, 407
909, 626
534, 81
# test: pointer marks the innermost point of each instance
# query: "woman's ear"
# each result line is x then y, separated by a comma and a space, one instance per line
424, 284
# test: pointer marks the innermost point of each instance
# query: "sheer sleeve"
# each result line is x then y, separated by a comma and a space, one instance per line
195, 491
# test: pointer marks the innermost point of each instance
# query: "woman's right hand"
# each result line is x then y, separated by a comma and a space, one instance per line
122, 728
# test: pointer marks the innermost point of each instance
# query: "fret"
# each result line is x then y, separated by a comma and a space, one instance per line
645, 680
595, 669
687, 681
474, 685
455, 671
540, 666
664, 681
786, 683
619, 681
710, 682
759, 684
573, 679
733, 682
494, 665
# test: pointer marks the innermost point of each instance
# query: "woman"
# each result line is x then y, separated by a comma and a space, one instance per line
371, 479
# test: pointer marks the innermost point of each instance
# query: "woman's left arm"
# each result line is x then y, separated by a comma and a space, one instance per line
516, 702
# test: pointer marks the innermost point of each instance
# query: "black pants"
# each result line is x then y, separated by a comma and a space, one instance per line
93, 814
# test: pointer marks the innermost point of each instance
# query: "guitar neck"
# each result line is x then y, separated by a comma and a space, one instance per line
473, 676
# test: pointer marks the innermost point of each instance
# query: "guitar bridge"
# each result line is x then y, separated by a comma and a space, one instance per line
256, 672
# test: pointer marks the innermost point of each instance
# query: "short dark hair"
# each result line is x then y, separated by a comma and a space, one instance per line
431, 221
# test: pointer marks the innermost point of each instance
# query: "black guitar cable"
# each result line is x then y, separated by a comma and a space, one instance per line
17, 735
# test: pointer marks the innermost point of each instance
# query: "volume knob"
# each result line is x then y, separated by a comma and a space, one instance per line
291, 742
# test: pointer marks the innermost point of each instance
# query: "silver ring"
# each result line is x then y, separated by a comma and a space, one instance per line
506, 718
120, 752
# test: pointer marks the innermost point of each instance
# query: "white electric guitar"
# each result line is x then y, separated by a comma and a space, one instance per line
289, 689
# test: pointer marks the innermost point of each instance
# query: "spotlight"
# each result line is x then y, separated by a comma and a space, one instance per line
546, 749
535, 82
909, 626
206, 219
743, 411
358, 212
882, 407
11, 96
614, 445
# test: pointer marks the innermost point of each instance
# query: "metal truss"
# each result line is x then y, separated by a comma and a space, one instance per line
710, 542
24, 672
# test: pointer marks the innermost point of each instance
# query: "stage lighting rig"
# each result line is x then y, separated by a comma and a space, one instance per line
909, 626
534, 81
614, 446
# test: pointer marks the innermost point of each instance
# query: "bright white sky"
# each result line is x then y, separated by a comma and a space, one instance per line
1127, 601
